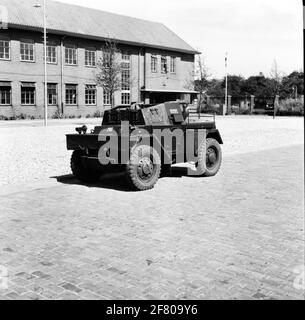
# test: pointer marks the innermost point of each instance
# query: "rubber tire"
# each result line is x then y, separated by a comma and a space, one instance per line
134, 181
80, 171
202, 157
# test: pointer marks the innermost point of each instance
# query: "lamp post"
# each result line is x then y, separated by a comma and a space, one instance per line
37, 5
226, 94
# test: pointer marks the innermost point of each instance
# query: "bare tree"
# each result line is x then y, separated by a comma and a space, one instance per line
199, 79
277, 76
109, 74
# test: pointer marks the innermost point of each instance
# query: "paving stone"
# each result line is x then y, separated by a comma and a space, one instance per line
71, 287
238, 235
41, 275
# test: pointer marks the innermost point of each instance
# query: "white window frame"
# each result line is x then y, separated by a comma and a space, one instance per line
69, 51
89, 60
90, 95
4, 48
126, 78
28, 97
68, 103
173, 65
124, 100
164, 62
25, 46
106, 99
154, 63
53, 47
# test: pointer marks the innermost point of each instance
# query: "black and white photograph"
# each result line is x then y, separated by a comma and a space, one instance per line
152, 151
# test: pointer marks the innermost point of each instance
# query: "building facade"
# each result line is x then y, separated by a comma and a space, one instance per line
156, 73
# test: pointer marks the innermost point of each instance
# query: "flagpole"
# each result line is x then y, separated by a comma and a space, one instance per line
226, 94
45, 64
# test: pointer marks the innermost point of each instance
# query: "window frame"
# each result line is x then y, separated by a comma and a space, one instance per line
90, 51
24, 103
56, 94
154, 63
10, 96
125, 77
56, 58
164, 62
76, 94
88, 94
106, 99
173, 65
9, 49
71, 47
123, 95
27, 43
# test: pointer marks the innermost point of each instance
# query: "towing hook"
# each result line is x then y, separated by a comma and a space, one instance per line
82, 130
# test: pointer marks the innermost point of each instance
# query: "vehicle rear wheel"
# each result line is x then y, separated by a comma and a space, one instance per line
81, 171
144, 168
213, 158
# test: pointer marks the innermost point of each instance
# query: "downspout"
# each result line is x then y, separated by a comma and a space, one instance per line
62, 75
145, 72
139, 76
145, 68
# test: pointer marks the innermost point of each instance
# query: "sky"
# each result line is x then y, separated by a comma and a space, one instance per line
254, 33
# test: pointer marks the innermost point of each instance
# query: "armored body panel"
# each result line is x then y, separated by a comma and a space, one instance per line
139, 124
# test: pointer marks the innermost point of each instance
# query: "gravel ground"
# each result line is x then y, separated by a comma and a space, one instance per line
31, 152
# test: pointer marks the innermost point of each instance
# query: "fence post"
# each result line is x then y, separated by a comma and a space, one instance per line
252, 104
208, 100
229, 105
276, 105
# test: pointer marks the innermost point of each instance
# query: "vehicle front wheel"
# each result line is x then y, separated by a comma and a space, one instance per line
81, 171
144, 168
213, 158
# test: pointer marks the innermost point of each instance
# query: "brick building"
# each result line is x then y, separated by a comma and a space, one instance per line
159, 63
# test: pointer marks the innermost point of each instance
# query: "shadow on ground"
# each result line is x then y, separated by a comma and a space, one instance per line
115, 181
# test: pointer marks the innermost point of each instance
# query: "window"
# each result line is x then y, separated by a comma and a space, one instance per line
52, 94
4, 50
126, 98
71, 94
126, 78
154, 63
90, 95
107, 99
173, 65
164, 64
51, 54
71, 55
5, 94
106, 59
28, 93
90, 58
27, 53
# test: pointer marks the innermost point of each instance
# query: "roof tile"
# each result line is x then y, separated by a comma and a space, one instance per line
76, 20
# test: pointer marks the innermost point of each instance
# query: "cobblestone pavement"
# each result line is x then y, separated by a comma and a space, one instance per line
239, 235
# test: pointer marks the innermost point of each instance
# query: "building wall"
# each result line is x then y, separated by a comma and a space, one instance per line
142, 78
169, 81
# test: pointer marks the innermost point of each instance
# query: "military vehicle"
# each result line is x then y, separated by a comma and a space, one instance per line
134, 132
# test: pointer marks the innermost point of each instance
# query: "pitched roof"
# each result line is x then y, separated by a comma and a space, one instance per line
84, 22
